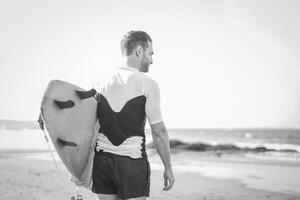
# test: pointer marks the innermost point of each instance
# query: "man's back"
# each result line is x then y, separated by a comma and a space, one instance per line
126, 84
124, 102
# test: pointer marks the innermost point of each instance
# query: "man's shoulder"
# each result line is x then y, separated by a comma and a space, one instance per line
150, 80
151, 85
147, 78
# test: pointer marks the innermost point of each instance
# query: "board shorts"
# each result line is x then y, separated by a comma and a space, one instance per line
121, 175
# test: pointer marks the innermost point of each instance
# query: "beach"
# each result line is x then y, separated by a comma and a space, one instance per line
199, 176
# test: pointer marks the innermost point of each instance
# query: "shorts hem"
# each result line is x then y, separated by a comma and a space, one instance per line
101, 192
135, 194
132, 196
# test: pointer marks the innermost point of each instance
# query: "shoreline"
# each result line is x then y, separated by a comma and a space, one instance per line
212, 178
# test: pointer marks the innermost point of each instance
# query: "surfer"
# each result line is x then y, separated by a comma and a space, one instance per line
121, 168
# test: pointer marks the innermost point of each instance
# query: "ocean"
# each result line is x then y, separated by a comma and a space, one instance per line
270, 144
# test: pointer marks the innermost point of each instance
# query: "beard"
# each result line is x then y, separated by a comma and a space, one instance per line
145, 64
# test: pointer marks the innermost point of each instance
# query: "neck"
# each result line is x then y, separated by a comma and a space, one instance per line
131, 62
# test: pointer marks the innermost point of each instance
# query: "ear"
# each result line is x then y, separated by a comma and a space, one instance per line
139, 50
123, 50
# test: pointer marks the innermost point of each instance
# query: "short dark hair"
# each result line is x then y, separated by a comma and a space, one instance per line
133, 39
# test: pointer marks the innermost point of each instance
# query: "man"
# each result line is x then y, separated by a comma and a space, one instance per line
121, 169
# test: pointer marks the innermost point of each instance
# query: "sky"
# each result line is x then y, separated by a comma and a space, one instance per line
219, 64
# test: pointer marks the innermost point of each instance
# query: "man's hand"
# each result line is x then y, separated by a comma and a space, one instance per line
169, 179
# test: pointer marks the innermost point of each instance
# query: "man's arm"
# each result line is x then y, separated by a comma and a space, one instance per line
159, 131
162, 144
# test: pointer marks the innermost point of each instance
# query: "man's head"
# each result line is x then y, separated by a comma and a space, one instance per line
137, 46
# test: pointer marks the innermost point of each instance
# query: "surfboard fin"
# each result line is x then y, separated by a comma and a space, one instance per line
86, 94
64, 104
40, 121
66, 143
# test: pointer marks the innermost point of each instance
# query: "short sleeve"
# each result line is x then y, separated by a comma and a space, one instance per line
152, 107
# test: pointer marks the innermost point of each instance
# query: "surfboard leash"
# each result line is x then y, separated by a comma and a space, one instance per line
76, 196
49, 148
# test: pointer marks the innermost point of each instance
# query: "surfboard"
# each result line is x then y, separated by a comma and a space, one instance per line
69, 114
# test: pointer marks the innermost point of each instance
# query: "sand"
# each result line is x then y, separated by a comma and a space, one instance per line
198, 177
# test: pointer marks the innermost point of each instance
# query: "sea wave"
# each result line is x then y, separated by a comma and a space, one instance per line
234, 147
